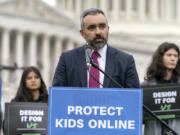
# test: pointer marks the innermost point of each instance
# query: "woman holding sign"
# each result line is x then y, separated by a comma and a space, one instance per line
164, 68
32, 87
165, 65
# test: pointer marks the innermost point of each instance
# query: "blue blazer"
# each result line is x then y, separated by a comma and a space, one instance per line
71, 70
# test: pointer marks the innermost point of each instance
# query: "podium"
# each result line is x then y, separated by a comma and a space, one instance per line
94, 111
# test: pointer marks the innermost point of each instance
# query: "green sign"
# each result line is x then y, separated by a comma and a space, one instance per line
26, 118
163, 100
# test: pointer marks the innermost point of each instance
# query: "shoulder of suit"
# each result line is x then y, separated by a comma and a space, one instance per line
114, 50
75, 50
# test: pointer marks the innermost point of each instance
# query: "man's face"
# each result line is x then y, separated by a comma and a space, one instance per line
95, 30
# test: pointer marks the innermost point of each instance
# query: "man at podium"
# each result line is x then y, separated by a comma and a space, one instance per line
74, 68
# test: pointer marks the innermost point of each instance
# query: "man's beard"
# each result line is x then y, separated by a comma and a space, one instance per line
98, 44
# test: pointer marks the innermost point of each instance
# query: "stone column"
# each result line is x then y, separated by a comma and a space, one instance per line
128, 9
103, 6
90, 4
69, 5
168, 10
46, 59
5, 54
142, 10
178, 10
95, 3
162, 9
85, 5
116, 10
154, 10
78, 9
70, 45
58, 49
19, 54
32, 50
62, 4
57, 52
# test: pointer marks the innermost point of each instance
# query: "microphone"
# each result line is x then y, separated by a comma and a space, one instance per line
88, 51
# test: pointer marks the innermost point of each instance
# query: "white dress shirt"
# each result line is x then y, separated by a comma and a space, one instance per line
102, 62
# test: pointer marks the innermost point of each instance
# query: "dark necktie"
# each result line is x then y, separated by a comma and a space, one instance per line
94, 73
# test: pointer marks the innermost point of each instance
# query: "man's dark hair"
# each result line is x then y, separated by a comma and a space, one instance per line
91, 11
157, 69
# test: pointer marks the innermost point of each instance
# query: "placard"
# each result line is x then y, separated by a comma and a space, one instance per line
26, 118
163, 100
0, 104
0, 93
92, 111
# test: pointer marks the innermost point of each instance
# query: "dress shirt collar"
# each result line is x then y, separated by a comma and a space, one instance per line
102, 51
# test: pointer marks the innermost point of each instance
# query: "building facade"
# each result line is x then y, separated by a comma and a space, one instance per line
136, 10
136, 26
32, 33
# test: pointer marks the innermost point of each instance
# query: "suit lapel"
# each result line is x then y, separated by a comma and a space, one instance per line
109, 66
82, 69
81, 65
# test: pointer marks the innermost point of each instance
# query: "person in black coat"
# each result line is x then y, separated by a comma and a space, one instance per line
164, 68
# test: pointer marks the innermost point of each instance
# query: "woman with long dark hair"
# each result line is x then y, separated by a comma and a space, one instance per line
165, 65
32, 87
164, 68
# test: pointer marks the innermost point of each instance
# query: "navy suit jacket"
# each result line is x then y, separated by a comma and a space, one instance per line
71, 70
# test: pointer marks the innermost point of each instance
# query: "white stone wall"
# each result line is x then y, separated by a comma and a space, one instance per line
29, 40
129, 10
136, 26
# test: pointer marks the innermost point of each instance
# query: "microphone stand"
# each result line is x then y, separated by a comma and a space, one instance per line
108, 76
170, 132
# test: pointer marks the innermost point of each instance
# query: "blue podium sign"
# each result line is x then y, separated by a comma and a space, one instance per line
92, 111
